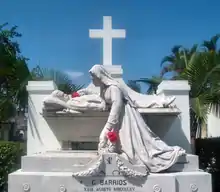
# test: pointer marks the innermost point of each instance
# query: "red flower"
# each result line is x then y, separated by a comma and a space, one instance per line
112, 136
75, 94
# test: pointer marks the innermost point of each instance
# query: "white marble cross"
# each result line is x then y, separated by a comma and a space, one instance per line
107, 34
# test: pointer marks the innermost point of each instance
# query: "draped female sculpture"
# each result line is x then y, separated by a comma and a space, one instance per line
125, 132
135, 139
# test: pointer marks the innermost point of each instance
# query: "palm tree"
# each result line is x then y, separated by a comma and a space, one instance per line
203, 74
152, 83
134, 86
202, 70
63, 82
211, 45
177, 61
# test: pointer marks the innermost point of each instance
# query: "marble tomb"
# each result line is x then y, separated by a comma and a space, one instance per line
52, 158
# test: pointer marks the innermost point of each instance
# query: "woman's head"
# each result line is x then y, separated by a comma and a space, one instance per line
101, 77
96, 81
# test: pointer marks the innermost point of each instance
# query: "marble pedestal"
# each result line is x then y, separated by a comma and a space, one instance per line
52, 171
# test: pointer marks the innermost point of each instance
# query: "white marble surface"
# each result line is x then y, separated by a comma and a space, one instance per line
46, 168
43, 132
180, 126
64, 182
49, 179
77, 160
213, 122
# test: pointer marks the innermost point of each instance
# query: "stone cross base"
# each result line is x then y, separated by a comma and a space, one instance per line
53, 171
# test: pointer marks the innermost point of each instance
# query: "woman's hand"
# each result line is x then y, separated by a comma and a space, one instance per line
103, 140
113, 118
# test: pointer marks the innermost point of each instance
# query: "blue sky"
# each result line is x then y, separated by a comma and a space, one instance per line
56, 33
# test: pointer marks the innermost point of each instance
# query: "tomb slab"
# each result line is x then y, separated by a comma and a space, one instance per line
63, 181
77, 160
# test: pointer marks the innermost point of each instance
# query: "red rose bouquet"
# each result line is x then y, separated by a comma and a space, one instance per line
112, 136
75, 94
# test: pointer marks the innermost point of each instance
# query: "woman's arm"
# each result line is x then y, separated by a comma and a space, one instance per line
86, 91
116, 107
113, 121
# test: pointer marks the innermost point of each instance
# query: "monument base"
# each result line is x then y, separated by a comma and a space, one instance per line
53, 171
64, 182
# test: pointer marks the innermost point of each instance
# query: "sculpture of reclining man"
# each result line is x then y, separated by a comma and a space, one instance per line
87, 100
80, 101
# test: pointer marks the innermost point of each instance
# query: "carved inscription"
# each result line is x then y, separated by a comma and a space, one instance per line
109, 160
109, 185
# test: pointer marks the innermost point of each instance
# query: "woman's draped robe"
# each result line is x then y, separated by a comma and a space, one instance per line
137, 142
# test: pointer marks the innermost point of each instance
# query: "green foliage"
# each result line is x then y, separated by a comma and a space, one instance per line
152, 82
209, 158
63, 82
134, 86
14, 73
202, 73
211, 45
178, 60
10, 156
200, 66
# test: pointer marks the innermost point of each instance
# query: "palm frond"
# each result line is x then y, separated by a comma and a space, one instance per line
152, 83
168, 59
134, 86
211, 45
62, 80
199, 108
193, 49
175, 50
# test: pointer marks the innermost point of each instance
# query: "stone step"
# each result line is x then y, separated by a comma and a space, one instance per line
73, 161
63, 161
186, 163
64, 182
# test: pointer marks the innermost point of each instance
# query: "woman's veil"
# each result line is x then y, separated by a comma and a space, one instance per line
100, 72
